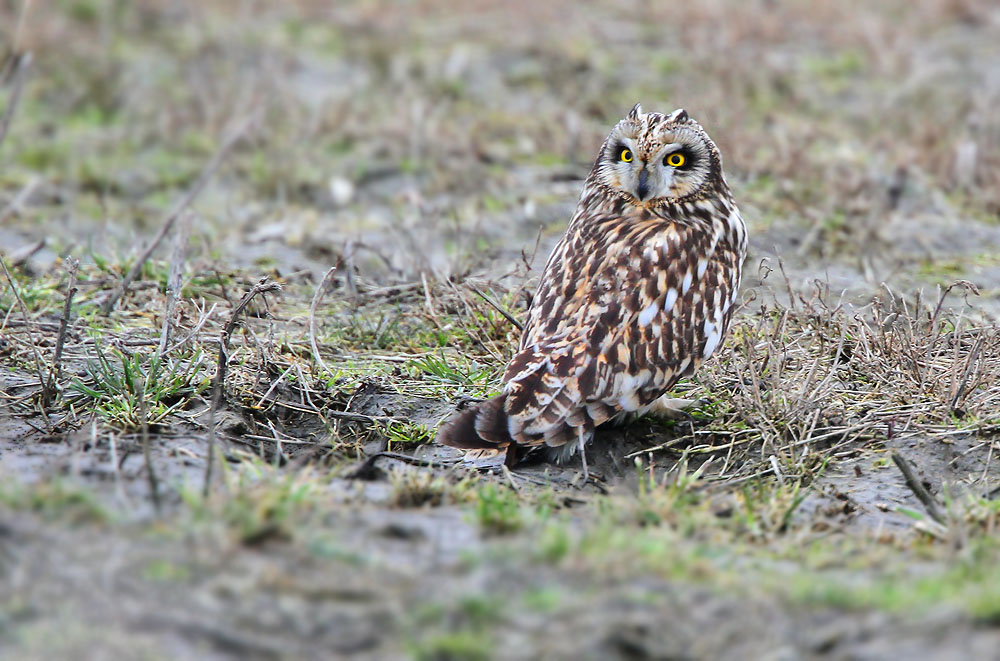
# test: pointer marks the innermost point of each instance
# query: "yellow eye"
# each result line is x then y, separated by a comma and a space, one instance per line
626, 155
675, 160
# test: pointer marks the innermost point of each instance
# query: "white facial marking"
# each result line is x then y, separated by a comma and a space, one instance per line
663, 189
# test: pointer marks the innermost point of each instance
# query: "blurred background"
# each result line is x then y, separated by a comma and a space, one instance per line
861, 139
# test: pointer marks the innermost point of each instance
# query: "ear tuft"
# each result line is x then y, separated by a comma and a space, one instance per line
679, 115
634, 112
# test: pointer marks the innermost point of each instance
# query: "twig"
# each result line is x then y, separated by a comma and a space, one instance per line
220, 377
147, 453
20, 70
510, 478
176, 211
202, 318
356, 417
312, 319
34, 343
427, 297
262, 287
174, 279
968, 370
965, 284
55, 372
917, 488
496, 306
788, 284
482, 337
363, 471
274, 384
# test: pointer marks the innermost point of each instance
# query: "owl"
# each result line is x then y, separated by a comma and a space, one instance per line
637, 293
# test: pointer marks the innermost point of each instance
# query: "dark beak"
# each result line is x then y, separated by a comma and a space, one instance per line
643, 187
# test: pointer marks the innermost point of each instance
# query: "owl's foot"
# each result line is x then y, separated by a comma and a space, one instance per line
583, 454
484, 456
671, 408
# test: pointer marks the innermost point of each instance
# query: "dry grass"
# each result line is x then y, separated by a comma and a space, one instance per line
812, 379
799, 382
406, 171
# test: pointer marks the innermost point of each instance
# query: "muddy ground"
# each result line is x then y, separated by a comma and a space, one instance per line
392, 167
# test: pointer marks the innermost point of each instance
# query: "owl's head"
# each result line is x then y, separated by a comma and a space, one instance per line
654, 158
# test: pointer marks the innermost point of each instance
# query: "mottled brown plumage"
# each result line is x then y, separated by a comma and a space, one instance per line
636, 294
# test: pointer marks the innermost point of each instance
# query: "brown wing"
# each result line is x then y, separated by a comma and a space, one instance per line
626, 305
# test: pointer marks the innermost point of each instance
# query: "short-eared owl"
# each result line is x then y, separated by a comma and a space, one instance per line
636, 294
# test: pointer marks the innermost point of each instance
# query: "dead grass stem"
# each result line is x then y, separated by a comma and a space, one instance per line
34, 345
55, 372
262, 287
174, 284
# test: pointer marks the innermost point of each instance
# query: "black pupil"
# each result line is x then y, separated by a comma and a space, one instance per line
675, 158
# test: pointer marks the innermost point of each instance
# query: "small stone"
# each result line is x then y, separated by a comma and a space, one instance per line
341, 190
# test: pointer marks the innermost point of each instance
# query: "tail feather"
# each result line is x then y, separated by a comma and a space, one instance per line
481, 426
484, 426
